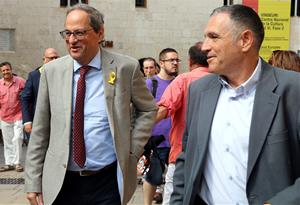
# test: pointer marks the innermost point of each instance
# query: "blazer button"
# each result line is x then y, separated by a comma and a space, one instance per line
251, 197
64, 166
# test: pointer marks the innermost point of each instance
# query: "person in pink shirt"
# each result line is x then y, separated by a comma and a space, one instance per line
11, 117
173, 103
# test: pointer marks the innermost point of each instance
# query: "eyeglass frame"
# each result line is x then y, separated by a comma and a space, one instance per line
172, 60
78, 34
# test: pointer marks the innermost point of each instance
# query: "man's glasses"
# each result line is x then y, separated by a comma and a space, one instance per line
172, 60
78, 34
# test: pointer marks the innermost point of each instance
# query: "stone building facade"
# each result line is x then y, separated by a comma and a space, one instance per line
27, 27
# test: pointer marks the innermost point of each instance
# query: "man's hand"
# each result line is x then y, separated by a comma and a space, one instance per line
35, 198
161, 114
28, 128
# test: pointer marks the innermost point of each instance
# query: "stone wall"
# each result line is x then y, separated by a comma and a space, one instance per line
138, 32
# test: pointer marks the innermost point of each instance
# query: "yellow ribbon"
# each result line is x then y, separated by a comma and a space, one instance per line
112, 78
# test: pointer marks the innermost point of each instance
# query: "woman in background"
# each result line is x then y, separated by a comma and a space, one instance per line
286, 59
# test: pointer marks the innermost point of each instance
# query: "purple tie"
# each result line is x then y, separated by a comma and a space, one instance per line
78, 124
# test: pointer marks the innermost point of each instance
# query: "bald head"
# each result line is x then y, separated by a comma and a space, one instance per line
49, 55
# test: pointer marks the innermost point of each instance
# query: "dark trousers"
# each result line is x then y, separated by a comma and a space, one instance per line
97, 189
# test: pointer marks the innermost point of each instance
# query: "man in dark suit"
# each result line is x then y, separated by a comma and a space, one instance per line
30, 91
241, 140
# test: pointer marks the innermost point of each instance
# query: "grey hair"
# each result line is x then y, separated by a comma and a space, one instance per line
96, 18
244, 17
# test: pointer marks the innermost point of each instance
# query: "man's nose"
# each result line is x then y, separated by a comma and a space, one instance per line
205, 46
72, 39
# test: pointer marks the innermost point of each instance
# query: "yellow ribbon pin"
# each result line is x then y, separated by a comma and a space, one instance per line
112, 78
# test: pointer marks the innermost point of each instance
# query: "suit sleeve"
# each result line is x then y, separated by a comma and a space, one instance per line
145, 112
178, 178
26, 99
39, 140
291, 194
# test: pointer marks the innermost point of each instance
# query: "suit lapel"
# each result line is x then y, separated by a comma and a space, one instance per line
67, 93
109, 68
208, 105
264, 108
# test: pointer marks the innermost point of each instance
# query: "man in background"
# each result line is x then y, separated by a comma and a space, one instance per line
169, 63
149, 67
30, 91
11, 117
173, 104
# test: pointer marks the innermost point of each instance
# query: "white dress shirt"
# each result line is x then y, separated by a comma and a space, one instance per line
225, 172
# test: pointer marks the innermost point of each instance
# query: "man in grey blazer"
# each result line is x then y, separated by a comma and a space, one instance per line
114, 136
241, 141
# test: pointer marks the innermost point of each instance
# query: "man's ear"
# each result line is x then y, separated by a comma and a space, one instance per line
247, 40
101, 33
161, 64
190, 62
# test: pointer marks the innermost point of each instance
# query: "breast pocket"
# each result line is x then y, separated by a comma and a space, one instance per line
277, 151
15, 96
2, 96
277, 137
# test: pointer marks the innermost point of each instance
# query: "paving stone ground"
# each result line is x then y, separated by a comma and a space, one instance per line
12, 187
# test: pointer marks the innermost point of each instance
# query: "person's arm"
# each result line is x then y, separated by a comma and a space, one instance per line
161, 114
290, 195
145, 112
26, 99
35, 198
171, 100
178, 178
28, 127
39, 140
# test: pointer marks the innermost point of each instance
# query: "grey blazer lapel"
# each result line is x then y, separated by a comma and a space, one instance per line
264, 108
109, 68
208, 103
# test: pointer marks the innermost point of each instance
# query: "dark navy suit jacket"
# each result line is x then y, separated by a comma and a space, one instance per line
29, 95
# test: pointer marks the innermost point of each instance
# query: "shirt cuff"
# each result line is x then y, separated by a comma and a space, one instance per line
27, 123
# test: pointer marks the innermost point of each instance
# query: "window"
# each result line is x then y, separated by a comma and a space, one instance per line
141, 3
66, 3
7, 39
228, 2
298, 8
293, 8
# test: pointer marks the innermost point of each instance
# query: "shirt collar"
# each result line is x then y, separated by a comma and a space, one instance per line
95, 62
13, 80
204, 69
247, 86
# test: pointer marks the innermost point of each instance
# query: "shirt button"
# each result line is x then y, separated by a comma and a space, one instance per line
228, 124
237, 203
227, 149
230, 178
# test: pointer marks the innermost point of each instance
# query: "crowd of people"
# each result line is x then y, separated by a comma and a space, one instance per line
17, 110
226, 132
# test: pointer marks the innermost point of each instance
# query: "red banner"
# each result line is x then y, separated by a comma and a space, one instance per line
251, 3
